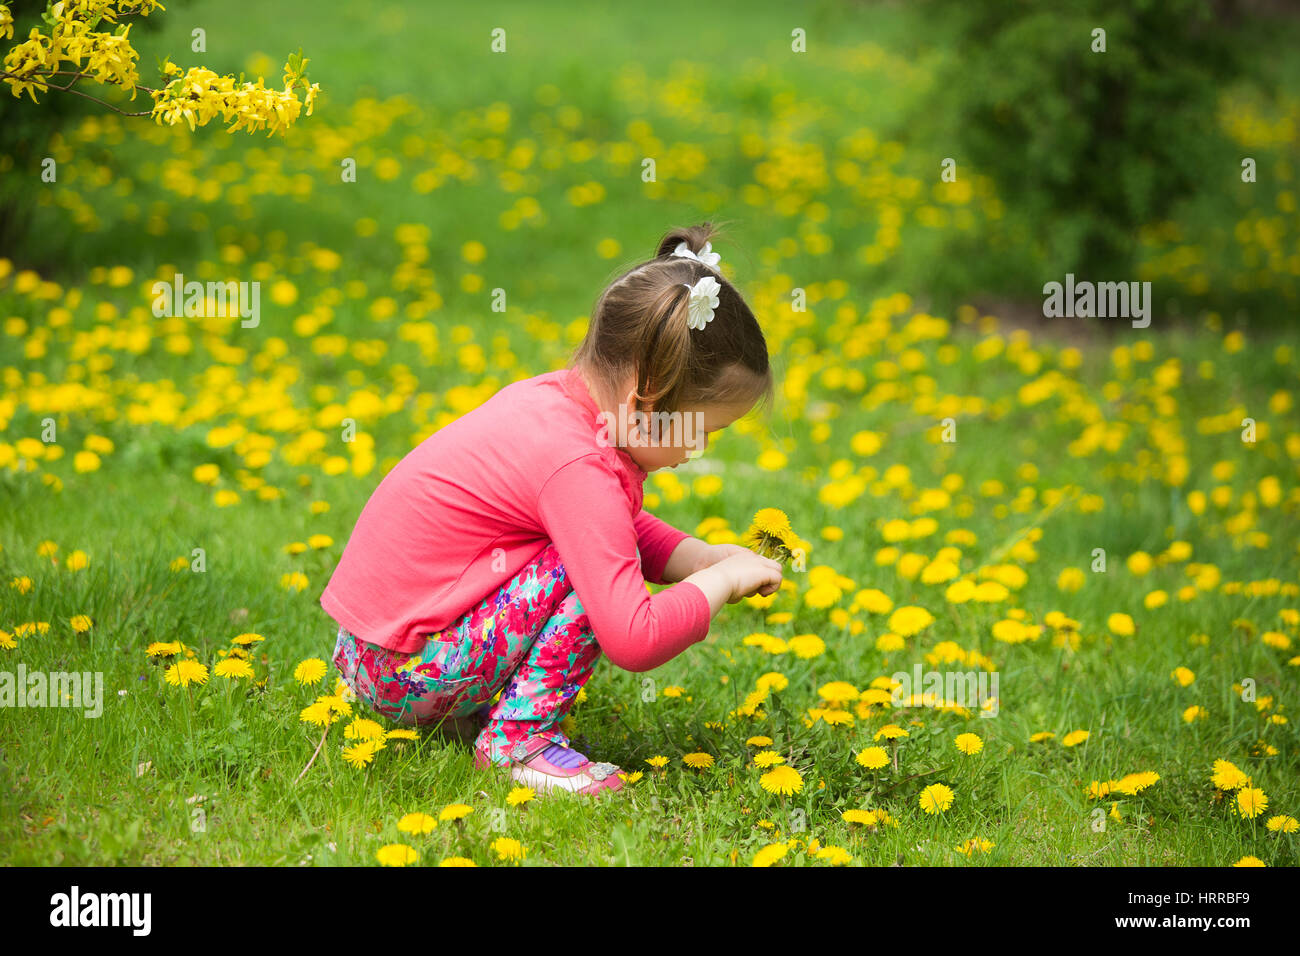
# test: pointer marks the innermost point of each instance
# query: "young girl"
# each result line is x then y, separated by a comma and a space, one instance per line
509, 549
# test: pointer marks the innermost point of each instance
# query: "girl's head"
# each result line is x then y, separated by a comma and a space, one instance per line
666, 384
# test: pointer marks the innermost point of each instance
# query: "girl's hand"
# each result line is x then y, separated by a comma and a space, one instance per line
738, 575
751, 574
719, 552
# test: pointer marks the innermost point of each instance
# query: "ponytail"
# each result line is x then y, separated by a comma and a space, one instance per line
665, 352
639, 331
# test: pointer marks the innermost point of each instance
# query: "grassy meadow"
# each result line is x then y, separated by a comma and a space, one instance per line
1104, 517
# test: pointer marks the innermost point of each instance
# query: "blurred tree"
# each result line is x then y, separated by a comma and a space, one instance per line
1092, 117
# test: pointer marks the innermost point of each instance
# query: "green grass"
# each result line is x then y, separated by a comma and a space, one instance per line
418, 91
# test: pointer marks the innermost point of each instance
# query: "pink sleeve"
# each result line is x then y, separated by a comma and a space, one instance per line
584, 510
656, 540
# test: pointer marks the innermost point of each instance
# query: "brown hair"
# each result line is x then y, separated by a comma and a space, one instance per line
639, 327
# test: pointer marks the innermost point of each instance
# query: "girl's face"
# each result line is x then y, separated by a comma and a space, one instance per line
658, 440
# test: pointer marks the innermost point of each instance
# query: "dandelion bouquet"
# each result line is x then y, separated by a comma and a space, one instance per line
772, 537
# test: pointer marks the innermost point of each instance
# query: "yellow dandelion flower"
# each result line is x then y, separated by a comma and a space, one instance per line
508, 848
873, 758
873, 601
1135, 783
455, 811
1251, 802
336, 702
807, 645
233, 668
363, 728
361, 754
318, 713
1226, 776
936, 798
834, 855
866, 818
782, 780
294, 581
910, 620
838, 692
1276, 639
184, 673
1098, 789
309, 672
698, 761
397, 854
1121, 625
520, 795
416, 823
969, 743
772, 521
770, 854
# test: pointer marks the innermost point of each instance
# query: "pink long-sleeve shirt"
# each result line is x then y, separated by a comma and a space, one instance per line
479, 499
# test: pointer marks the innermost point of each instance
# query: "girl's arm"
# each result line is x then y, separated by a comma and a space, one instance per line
737, 575
582, 509
670, 555
689, 556
694, 555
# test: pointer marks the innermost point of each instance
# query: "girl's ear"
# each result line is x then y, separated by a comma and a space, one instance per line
629, 400
631, 422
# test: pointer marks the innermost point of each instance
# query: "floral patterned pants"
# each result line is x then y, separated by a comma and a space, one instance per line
530, 640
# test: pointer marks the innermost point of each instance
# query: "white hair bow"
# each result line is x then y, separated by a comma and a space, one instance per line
704, 300
705, 256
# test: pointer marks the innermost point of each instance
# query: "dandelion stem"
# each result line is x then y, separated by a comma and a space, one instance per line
924, 773
313, 756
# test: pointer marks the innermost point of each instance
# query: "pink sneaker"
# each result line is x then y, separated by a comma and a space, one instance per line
548, 767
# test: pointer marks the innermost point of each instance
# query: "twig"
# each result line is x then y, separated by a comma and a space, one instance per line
924, 773
69, 89
313, 756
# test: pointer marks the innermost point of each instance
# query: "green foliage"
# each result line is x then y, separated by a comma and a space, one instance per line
1086, 146
26, 130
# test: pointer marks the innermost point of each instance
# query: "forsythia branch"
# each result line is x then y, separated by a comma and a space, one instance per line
196, 96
